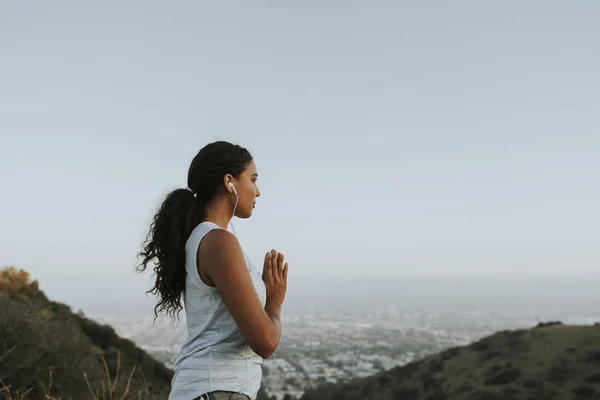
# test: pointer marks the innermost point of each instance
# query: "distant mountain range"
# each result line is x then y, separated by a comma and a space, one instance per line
331, 294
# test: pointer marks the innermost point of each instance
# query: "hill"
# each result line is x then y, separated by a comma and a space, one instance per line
48, 352
550, 361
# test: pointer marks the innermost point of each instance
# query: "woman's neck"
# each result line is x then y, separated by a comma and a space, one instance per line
218, 212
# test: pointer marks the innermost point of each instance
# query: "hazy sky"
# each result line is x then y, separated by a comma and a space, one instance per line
390, 137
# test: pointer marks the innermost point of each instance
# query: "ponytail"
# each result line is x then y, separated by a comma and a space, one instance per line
165, 244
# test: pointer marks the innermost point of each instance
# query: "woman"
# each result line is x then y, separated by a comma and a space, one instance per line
232, 311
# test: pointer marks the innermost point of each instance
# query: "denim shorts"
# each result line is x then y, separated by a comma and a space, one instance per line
223, 395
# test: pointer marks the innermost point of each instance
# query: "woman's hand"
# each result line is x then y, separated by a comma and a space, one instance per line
275, 276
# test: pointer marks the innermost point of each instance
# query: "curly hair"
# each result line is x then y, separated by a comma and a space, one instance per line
179, 214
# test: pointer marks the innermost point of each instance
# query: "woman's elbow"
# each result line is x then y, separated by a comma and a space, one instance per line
265, 353
265, 348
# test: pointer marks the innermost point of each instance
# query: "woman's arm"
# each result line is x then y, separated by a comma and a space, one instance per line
220, 257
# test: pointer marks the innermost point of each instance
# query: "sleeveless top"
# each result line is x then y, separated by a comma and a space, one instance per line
214, 356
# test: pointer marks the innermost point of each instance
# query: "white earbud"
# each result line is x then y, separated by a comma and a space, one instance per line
230, 184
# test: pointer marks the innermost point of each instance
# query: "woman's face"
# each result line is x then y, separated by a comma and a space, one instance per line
247, 191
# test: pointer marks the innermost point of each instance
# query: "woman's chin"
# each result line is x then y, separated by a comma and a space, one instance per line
245, 215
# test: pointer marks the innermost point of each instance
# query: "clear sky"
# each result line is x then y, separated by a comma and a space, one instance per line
391, 137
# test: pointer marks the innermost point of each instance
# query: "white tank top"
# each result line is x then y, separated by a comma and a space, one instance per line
215, 355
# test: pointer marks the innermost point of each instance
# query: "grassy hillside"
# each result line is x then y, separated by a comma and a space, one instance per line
550, 361
48, 352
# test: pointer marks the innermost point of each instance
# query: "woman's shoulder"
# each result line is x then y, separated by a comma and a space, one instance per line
204, 227
199, 233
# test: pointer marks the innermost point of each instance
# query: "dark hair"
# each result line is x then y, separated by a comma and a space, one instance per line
179, 214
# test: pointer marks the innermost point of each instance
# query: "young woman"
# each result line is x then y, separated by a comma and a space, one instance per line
232, 310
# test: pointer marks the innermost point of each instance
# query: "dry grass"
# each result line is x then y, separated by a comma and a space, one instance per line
108, 388
6, 392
